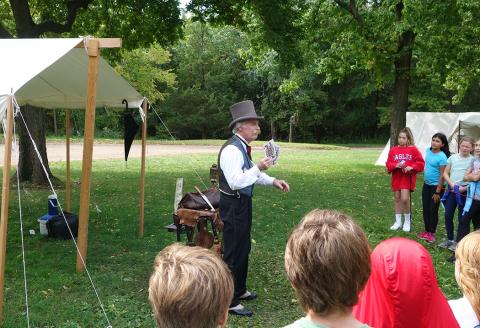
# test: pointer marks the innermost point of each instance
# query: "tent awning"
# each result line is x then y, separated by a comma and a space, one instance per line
52, 73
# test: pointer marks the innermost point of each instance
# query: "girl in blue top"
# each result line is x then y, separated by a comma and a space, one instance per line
435, 162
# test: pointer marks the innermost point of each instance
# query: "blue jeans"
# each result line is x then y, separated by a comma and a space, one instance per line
450, 205
473, 215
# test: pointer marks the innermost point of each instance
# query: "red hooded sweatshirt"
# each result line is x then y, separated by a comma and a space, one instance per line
410, 156
402, 291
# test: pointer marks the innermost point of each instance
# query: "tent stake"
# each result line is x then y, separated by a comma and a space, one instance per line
7, 156
142, 171
93, 55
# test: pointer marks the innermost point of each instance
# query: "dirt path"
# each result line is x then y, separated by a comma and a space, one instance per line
56, 151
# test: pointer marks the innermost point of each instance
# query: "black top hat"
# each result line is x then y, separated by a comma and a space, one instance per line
243, 111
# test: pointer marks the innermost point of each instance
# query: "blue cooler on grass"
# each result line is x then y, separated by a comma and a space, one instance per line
58, 225
52, 204
43, 223
52, 212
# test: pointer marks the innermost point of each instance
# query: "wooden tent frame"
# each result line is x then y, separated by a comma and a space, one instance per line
93, 46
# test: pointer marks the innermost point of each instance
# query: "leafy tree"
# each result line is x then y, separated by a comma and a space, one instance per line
387, 43
145, 69
211, 77
271, 23
139, 23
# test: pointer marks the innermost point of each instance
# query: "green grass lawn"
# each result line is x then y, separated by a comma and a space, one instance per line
212, 142
120, 262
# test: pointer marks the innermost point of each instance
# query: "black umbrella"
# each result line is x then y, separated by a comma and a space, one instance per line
131, 128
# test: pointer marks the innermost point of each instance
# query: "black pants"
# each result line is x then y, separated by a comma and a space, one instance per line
472, 215
236, 214
430, 208
450, 205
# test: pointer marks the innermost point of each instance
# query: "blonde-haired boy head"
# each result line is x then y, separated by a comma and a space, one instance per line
190, 287
467, 268
327, 260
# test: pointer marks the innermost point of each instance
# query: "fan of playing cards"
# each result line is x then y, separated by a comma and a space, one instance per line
272, 150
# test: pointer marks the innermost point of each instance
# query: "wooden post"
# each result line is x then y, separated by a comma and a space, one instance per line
178, 194
67, 182
93, 51
142, 171
7, 156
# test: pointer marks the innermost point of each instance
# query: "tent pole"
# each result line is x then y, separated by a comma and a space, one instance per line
7, 156
142, 171
93, 55
459, 135
67, 182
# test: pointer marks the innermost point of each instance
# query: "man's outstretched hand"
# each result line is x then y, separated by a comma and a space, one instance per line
264, 164
281, 184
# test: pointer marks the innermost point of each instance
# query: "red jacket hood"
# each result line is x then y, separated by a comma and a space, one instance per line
402, 290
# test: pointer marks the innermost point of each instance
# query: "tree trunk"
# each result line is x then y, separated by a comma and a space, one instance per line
290, 132
29, 166
55, 128
273, 129
398, 114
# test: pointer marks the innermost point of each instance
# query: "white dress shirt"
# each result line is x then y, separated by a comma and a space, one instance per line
463, 312
231, 163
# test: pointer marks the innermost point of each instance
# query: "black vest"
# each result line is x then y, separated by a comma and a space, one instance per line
247, 164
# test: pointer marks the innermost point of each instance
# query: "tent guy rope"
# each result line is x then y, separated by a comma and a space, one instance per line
20, 214
63, 214
173, 138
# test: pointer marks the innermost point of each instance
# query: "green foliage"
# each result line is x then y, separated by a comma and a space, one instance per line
271, 24
457, 48
145, 70
366, 42
138, 23
120, 262
327, 65
211, 76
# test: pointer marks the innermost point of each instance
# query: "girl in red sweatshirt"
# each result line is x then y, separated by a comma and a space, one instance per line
404, 161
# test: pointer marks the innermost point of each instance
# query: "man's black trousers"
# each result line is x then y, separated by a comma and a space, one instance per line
236, 214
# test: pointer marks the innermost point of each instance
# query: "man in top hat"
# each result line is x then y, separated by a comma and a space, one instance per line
237, 175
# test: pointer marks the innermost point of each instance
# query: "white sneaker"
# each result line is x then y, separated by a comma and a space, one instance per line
236, 307
445, 244
396, 225
406, 226
453, 246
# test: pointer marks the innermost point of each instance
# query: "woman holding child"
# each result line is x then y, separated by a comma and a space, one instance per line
472, 202
456, 190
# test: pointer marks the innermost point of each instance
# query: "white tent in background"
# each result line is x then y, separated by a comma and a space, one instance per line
425, 125
61, 73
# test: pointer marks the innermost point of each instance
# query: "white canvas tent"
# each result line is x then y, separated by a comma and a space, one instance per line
52, 73
61, 73
425, 125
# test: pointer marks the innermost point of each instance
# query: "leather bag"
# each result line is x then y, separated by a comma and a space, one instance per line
194, 201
